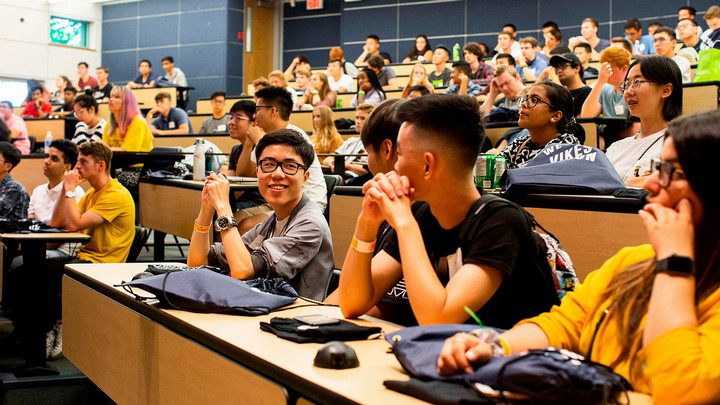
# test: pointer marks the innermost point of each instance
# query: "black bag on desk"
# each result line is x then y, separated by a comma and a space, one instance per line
564, 169
204, 290
296, 331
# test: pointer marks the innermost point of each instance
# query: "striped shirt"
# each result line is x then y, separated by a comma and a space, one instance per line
85, 134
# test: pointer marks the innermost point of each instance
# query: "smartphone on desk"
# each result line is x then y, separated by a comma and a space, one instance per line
317, 320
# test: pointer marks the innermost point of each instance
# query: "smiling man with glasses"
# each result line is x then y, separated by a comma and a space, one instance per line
292, 243
272, 112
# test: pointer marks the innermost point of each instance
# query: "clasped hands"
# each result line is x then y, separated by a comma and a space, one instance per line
216, 193
388, 196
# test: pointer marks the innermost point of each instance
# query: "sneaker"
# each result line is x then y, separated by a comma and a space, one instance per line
49, 342
56, 352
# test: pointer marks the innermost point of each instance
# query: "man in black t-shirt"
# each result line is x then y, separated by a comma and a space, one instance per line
454, 249
102, 90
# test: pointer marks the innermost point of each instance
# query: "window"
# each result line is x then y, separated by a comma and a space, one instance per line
68, 32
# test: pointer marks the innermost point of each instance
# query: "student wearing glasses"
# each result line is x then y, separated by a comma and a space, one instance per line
547, 113
661, 301
293, 243
272, 112
90, 127
653, 92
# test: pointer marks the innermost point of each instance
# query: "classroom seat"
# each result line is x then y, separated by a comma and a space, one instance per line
331, 181
141, 236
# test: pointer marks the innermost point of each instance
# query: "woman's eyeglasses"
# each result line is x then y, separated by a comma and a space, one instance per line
533, 101
667, 171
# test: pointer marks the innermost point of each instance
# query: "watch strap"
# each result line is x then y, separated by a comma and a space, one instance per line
676, 264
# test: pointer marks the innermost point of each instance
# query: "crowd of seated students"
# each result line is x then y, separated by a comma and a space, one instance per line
423, 149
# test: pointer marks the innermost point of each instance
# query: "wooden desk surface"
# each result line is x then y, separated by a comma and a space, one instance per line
47, 237
97, 316
169, 356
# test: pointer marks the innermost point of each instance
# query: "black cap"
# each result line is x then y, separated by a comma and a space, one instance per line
568, 57
443, 47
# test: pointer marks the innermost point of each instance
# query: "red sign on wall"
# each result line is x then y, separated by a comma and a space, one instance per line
314, 4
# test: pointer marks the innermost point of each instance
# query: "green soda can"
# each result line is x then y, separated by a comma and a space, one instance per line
339, 103
484, 172
500, 166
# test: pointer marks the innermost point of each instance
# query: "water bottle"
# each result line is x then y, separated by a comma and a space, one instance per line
199, 160
339, 102
456, 52
48, 141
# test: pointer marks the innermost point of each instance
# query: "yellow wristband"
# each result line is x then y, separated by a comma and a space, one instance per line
201, 228
507, 350
362, 247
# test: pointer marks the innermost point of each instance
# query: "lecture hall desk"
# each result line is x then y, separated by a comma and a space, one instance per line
139, 354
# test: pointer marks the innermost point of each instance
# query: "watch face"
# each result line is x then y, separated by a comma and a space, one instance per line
223, 222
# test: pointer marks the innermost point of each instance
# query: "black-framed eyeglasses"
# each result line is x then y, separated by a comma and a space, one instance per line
625, 86
237, 117
533, 101
258, 107
269, 165
562, 66
667, 172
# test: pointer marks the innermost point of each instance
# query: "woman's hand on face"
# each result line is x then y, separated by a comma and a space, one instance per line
671, 230
367, 86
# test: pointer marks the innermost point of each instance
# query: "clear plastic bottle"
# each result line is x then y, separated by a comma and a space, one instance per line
199, 160
48, 141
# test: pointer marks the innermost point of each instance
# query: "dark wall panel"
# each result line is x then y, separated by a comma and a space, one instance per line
158, 31
122, 10
203, 26
120, 34
199, 34
122, 66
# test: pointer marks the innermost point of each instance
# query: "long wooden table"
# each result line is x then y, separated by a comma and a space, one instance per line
590, 228
140, 354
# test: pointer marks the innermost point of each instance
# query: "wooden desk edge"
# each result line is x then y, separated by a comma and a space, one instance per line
268, 370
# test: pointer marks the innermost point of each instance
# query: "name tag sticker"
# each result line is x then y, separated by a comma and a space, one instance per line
171, 124
620, 109
221, 128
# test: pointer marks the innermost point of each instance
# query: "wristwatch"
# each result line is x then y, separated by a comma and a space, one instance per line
225, 222
69, 194
676, 264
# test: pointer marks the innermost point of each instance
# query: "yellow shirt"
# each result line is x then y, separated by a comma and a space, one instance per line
138, 137
335, 143
680, 366
110, 241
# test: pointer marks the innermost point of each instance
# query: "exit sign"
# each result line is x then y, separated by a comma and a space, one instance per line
314, 4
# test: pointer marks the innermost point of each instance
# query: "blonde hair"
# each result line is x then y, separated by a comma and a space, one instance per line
323, 135
280, 75
425, 82
365, 108
618, 57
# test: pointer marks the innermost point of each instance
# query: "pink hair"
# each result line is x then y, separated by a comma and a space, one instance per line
129, 110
